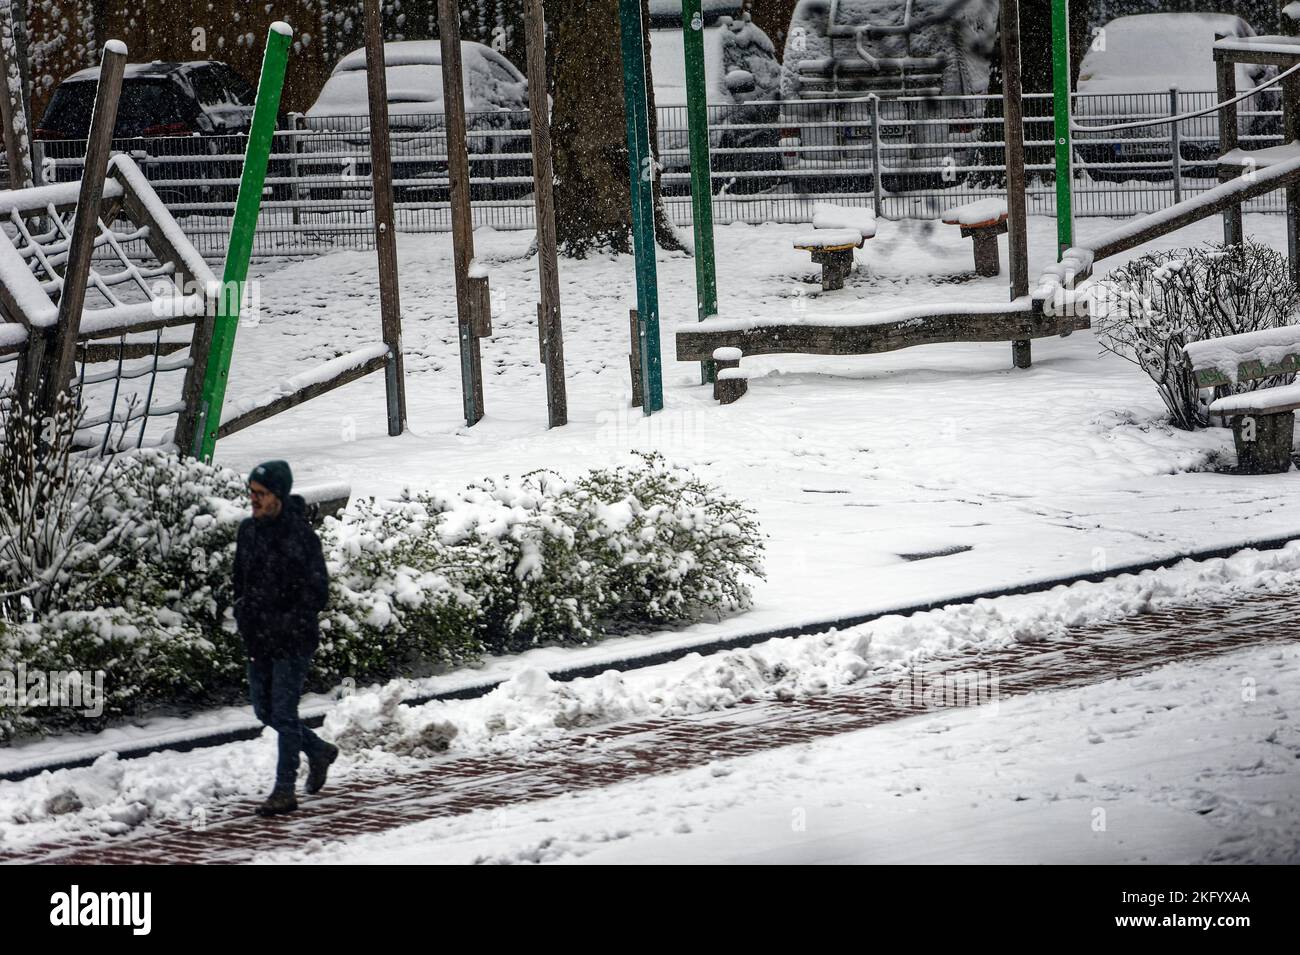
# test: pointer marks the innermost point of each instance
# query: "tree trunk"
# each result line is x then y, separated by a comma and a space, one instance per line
593, 205
665, 231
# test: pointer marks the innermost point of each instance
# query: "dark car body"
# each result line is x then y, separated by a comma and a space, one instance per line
185, 123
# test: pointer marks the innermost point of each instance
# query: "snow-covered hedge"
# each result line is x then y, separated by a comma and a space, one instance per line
429, 579
505, 565
1153, 306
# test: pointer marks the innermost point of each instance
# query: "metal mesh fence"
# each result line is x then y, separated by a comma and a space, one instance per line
912, 157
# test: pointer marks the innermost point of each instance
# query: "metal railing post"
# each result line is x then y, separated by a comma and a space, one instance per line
876, 159
296, 122
1176, 143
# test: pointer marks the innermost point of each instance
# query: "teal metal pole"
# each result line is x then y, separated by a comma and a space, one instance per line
1061, 113
641, 170
242, 229
697, 119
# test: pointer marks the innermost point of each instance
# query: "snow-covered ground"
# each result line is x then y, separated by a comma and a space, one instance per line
851, 462
114, 796
854, 464
1177, 766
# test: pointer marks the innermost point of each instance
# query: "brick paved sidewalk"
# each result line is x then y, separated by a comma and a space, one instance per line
611, 754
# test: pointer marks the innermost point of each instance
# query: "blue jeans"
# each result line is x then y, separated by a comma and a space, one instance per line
275, 687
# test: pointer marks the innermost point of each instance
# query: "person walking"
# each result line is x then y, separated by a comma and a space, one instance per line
281, 585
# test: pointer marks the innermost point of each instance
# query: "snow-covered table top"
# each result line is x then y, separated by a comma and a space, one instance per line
829, 239
829, 215
979, 212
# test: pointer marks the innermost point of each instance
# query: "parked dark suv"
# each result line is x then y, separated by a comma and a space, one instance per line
167, 111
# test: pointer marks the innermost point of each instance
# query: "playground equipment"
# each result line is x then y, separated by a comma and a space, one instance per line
1244, 174
1018, 322
46, 271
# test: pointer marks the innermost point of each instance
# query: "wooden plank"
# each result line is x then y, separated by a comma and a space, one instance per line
945, 328
85, 225
462, 224
381, 176
147, 325
163, 249
1226, 86
1251, 370
101, 351
842, 247
284, 403
549, 329
1195, 209
634, 356
1266, 57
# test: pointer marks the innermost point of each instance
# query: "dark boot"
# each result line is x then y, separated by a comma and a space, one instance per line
279, 802
318, 768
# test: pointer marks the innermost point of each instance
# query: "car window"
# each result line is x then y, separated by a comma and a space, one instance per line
68, 115
209, 88
146, 103
240, 89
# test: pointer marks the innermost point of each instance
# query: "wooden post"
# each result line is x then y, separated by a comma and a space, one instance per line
1013, 134
85, 225
381, 177
462, 225
549, 330
13, 110
635, 357
724, 357
1225, 74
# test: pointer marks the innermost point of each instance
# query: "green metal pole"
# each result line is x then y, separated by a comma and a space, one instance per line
1061, 113
641, 169
697, 119
240, 248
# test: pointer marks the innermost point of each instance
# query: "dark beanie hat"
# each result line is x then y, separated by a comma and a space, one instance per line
275, 476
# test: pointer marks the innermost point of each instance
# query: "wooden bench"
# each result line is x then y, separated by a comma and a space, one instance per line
325, 500
730, 383
837, 231
1263, 421
983, 220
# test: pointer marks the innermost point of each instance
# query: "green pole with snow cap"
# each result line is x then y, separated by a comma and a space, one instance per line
1061, 124
240, 247
641, 172
697, 119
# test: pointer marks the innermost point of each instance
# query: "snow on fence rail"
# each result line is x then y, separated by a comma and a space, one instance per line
770, 162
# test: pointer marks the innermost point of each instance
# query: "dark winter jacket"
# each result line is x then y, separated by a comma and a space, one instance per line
281, 583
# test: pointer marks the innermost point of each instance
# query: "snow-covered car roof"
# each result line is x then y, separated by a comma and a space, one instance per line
728, 48
669, 10
1150, 52
136, 70
413, 70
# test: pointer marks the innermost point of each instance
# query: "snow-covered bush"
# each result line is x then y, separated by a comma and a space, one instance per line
668, 545
1147, 310
47, 497
540, 559
429, 579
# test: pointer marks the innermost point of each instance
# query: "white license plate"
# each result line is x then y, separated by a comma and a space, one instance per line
1154, 150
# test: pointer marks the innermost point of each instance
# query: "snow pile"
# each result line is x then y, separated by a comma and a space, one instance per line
532, 707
